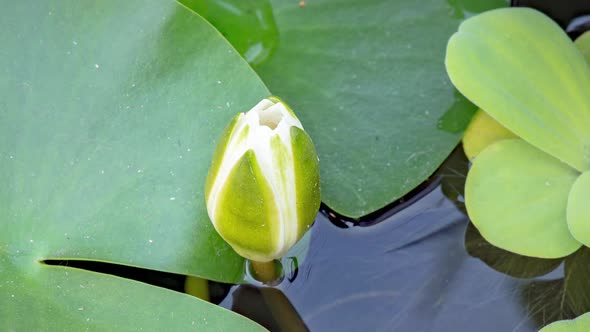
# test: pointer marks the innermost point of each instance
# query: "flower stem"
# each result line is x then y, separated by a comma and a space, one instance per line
269, 273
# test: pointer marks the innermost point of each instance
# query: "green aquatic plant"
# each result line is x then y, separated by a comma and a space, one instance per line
527, 195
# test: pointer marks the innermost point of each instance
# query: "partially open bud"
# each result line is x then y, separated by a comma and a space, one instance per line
263, 188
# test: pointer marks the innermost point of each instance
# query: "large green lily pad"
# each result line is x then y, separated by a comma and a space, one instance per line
108, 116
52, 298
367, 80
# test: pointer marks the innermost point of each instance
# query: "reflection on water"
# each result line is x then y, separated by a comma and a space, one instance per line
577, 281
248, 25
267, 306
268, 273
564, 297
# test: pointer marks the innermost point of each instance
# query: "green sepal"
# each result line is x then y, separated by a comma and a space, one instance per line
307, 178
218, 154
246, 212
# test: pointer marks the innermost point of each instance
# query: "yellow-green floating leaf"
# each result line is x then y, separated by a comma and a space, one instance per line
523, 70
516, 196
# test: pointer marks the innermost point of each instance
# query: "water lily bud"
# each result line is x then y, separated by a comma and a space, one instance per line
263, 188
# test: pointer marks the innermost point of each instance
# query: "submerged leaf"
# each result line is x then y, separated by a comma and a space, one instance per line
516, 196
521, 68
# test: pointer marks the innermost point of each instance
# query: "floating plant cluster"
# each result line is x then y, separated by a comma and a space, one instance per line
528, 189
